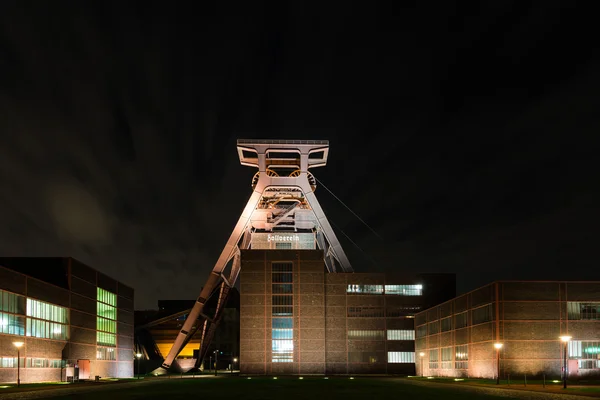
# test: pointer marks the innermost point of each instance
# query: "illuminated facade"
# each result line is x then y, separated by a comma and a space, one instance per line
298, 318
281, 214
70, 318
527, 318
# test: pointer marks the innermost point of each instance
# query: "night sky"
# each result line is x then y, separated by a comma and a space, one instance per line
462, 135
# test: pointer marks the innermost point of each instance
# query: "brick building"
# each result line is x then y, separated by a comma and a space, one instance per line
67, 315
527, 318
296, 318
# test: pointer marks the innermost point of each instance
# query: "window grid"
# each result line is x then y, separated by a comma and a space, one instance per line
365, 289
461, 357
586, 352
401, 357
106, 353
461, 320
106, 325
446, 324
433, 359
482, 314
12, 303
12, 324
365, 312
583, 311
404, 290
446, 357
366, 334
282, 323
400, 334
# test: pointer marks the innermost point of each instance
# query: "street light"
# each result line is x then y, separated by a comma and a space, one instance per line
233, 366
498, 346
565, 339
18, 345
216, 360
138, 356
421, 354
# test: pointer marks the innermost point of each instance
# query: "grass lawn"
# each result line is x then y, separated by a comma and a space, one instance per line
281, 389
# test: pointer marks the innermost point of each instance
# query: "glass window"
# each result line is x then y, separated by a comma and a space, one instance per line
47, 311
422, 331
282, 329
400, 334
446, 357
282, 350
106, 353
12, 324
106, 339
433, 359
282, 267
283, 246
104, 296
401, 311
366, 334
404, 290
482, 314
365, 312
461, 357
446, 324
584, 311
460, 320
282, 288
365, 289
363, 357
434, 327
586, 352
401, 357
12, 303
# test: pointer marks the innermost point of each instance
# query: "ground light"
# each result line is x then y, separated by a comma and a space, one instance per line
248, 378
458, 379
351, 377
4, 387
300, 377
274, 377
555, 381
430, 377
326, 378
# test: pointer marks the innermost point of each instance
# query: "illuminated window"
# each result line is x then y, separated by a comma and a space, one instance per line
433, 359
587, 311
366, 334
106, 324
282, 323
446, 357
365, 289
401, 357
12, 303
400, 334
586, 352
106, 353
404, 290
46, 320
461, 357
12, 324
401, 311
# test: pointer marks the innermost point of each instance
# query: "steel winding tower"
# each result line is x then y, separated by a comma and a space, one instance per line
282, 200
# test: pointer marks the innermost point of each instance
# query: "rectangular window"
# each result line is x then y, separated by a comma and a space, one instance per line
46, 320
433, 359
482, 314
365, 289
12, 303
583, 311
366, 334
404, 290
12, 324
401, 357
401, 311
8, 362
460, 320
586, 352
446, 324
282, 288
282, 329
106, 353
283, 246
36, 363
49, 312
446, 357
106, 297
363, 357
434, 327
365, 312
400, 334
461, 357
422, 331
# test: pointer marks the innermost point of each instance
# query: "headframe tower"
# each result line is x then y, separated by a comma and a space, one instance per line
283, 201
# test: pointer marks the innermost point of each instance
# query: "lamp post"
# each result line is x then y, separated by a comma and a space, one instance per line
421, 354
498, 346
565, 339
216, 360
18, 345
233, 366
138, 356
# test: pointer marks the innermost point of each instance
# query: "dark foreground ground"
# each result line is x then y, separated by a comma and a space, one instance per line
285, 389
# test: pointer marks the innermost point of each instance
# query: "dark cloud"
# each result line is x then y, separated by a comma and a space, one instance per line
462, 135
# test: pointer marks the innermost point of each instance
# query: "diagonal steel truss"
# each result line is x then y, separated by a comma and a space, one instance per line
226, 270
